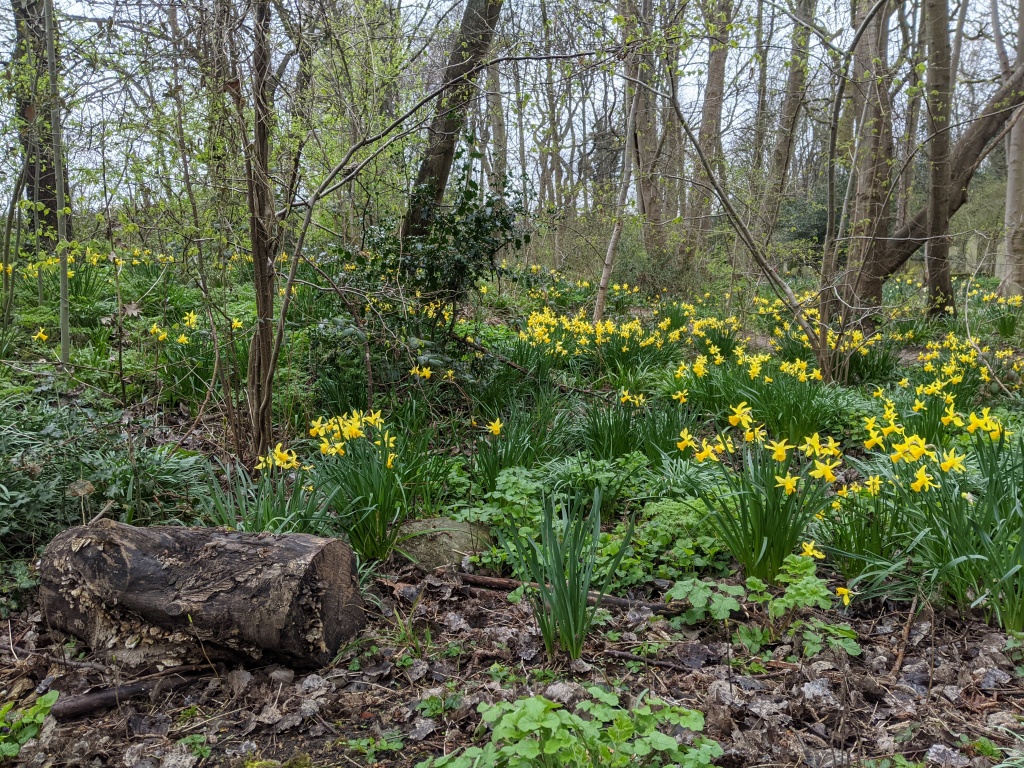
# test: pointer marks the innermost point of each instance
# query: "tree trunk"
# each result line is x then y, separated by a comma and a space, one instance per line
263, 232
967, 155
914, 32
718, 15
57, 153
940, 286
470, 48
871, 212
32, 108
1010, 263
789, 116
647, 142
620, 209
192, 594
499, 138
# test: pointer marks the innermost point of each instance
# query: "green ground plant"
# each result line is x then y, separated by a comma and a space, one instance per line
538, 733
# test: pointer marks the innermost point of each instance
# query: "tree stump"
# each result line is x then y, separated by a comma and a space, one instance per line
180, 595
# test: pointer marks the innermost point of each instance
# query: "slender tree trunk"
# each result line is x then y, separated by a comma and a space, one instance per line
620, 208
33, 108
871, 212
57, 154
915, 35
1010, 263
940, 286
263, 232
718, 17
499, 137
789, 115
647, 140
967, 154
470, 48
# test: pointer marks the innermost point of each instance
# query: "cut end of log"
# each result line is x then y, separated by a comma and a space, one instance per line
178, 595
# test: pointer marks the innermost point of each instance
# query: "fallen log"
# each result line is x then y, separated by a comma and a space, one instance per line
181, 595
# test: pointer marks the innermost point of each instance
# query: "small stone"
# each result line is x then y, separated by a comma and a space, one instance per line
282, 675
421, 728
238, 681
819, 691
580, 667
144, 725
433, 543
417, 670
952, 692
1004, 719
312, 684
287, 722
564, 692
309, 708
722, 692
945, 757
994, 678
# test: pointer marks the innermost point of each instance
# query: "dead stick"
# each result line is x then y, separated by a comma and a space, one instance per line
508, 585
903, 643
644, 660
88, 703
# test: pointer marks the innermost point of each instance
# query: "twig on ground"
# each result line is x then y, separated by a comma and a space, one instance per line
906, 635
508, 585
94, 701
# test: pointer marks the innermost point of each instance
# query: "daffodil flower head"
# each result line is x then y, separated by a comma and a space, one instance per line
809, 550
787, 483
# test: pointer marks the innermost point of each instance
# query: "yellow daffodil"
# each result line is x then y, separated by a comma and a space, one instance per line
40, 335
235, 323
686, 441
824, 470
779, 448
787, 483
191, 319
950, 416
495, 427
285, 459
874, 441
873, 484
812, 445
951, 462
742, 415
809, 550
924, 481
182, 339
681, 395
706, 452
845, 594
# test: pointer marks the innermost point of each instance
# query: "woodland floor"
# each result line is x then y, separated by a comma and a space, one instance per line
928, 688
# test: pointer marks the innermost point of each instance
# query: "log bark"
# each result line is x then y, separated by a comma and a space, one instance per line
178, 595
